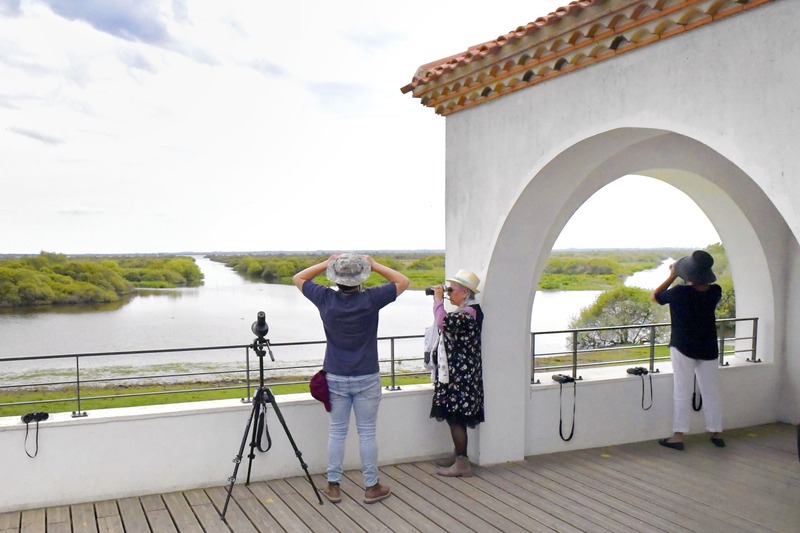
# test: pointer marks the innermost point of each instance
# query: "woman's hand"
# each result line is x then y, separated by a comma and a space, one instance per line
438, 293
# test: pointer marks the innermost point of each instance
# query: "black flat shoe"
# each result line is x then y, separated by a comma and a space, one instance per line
718, 442
673, 445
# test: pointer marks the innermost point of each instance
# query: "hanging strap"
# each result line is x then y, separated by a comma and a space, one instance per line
27, 428
560, 406
261, 426
651, 392
37, 417
697, 398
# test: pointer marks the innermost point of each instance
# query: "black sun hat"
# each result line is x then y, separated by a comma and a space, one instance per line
696, 268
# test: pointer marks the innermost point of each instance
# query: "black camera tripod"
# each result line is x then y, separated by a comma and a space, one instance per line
257, 420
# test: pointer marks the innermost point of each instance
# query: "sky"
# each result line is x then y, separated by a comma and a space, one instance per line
154, 126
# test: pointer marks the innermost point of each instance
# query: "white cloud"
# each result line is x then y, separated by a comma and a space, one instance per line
226, 125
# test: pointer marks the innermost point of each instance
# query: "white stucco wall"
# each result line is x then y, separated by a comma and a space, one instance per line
117, 453
715, 112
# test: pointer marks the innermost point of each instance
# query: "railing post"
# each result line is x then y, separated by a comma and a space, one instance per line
721, 348
652, 347
249, 396
533, 358
575, 354
753, 358
393, 376
78, 413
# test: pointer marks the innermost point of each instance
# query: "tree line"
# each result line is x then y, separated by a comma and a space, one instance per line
422, 269
52, 278
565, 270
623, 305
604, 270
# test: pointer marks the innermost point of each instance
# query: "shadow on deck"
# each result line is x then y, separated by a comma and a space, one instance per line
751, 485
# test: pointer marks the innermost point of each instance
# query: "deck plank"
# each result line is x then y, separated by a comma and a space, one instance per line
34, 521
441, 510
301, 506
278, 509
133, 517
353, 507
353, 494
108, 517
332, 513
415, 518
83, 518
157, 514
492, 508
10, 522
647, 516
639, 485
480, 495
206, 513
562, 507
750, 485
181, 513
256, 513
705, 486
235, 517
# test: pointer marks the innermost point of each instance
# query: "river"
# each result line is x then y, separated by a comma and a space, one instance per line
220, 313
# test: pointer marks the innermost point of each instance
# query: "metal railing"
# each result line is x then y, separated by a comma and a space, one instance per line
75, 379
575, 357
69, 373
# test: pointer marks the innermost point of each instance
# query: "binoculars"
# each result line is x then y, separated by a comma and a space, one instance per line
429, 291
637, 371
563, 378
37, 416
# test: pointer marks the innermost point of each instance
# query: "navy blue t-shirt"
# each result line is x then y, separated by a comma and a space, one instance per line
351, 326
694, 326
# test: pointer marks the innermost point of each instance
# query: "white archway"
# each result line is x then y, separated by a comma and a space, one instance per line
755, 237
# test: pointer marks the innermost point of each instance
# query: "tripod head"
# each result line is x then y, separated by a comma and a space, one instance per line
260, 328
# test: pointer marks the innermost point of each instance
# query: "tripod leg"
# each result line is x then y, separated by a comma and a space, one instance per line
271, 399
238, 459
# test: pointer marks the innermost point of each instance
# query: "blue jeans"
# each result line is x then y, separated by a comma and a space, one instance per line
363, 394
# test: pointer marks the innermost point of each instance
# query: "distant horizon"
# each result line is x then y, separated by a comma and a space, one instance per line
330, 251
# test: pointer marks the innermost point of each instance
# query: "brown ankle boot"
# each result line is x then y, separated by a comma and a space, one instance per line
460, 468
376, 493
446, 461
332, 492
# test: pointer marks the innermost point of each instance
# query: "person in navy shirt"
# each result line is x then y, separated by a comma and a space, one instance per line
693, 344
350, 319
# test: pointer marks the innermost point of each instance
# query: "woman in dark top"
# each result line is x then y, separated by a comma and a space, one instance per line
350, 318
693, 344
458, 383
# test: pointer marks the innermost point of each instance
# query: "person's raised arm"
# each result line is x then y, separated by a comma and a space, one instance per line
667, 282
400, 280
311, 272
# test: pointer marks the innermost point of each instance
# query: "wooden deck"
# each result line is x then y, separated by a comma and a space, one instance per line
751, 485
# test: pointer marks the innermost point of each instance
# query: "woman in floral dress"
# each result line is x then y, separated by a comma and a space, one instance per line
458, 382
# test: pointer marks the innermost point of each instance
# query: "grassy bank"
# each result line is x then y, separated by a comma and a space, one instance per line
62, 400
58, 400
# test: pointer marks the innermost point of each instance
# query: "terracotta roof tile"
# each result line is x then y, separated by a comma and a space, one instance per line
572, 37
